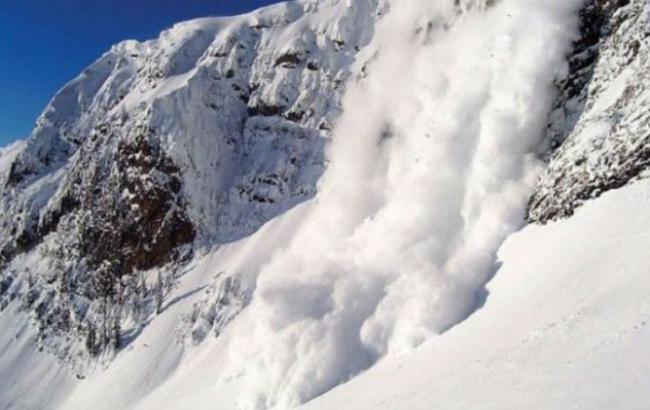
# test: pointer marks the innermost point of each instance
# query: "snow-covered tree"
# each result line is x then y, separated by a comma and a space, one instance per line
159, 293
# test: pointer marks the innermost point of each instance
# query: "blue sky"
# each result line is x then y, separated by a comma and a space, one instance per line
45, 43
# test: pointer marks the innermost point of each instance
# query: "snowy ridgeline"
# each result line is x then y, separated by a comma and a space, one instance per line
203, 143
163, 149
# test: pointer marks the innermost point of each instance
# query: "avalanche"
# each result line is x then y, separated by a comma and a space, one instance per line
566, 326
431, 166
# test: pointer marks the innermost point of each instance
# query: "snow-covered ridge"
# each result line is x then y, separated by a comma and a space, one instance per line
277, 72
167, 148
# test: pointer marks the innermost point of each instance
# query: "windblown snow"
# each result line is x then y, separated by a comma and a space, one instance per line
359, 217
427, 176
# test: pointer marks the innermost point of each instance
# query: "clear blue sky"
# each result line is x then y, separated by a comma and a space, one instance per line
45, 43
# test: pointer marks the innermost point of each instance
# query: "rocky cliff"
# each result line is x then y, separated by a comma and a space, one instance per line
166, 147
599, 132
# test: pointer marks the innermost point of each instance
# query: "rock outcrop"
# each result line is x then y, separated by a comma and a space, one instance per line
599, 132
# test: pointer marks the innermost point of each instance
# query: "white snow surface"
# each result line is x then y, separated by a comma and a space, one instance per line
7, 156
369, 285
565, 325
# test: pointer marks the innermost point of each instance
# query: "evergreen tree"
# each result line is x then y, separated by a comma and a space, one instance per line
29, 297
31, 281
42, 329
144, 292
116, 334
104, 281
159, 293
138, 295
91, 339
105, 334
64, 280
65, 319
116, 317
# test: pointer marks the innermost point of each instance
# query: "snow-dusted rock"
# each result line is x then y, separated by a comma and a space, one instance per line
174, 145
600, 130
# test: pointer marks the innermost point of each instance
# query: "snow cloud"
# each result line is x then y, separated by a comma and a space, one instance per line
431, 167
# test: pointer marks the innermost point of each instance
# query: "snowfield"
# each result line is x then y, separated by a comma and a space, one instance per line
565, 325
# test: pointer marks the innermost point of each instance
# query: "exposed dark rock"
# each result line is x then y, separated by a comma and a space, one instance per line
16, 174
266, 110
145, 226
295, 116
50, 221
288, 60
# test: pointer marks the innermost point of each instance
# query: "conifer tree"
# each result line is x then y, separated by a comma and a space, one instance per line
116, 334
91, 339
159, 293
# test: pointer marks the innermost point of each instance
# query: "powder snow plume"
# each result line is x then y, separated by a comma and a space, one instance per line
431, 166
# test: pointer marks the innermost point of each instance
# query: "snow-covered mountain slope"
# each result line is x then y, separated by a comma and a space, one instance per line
566, 325
248, 212
241, 106
162, 148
